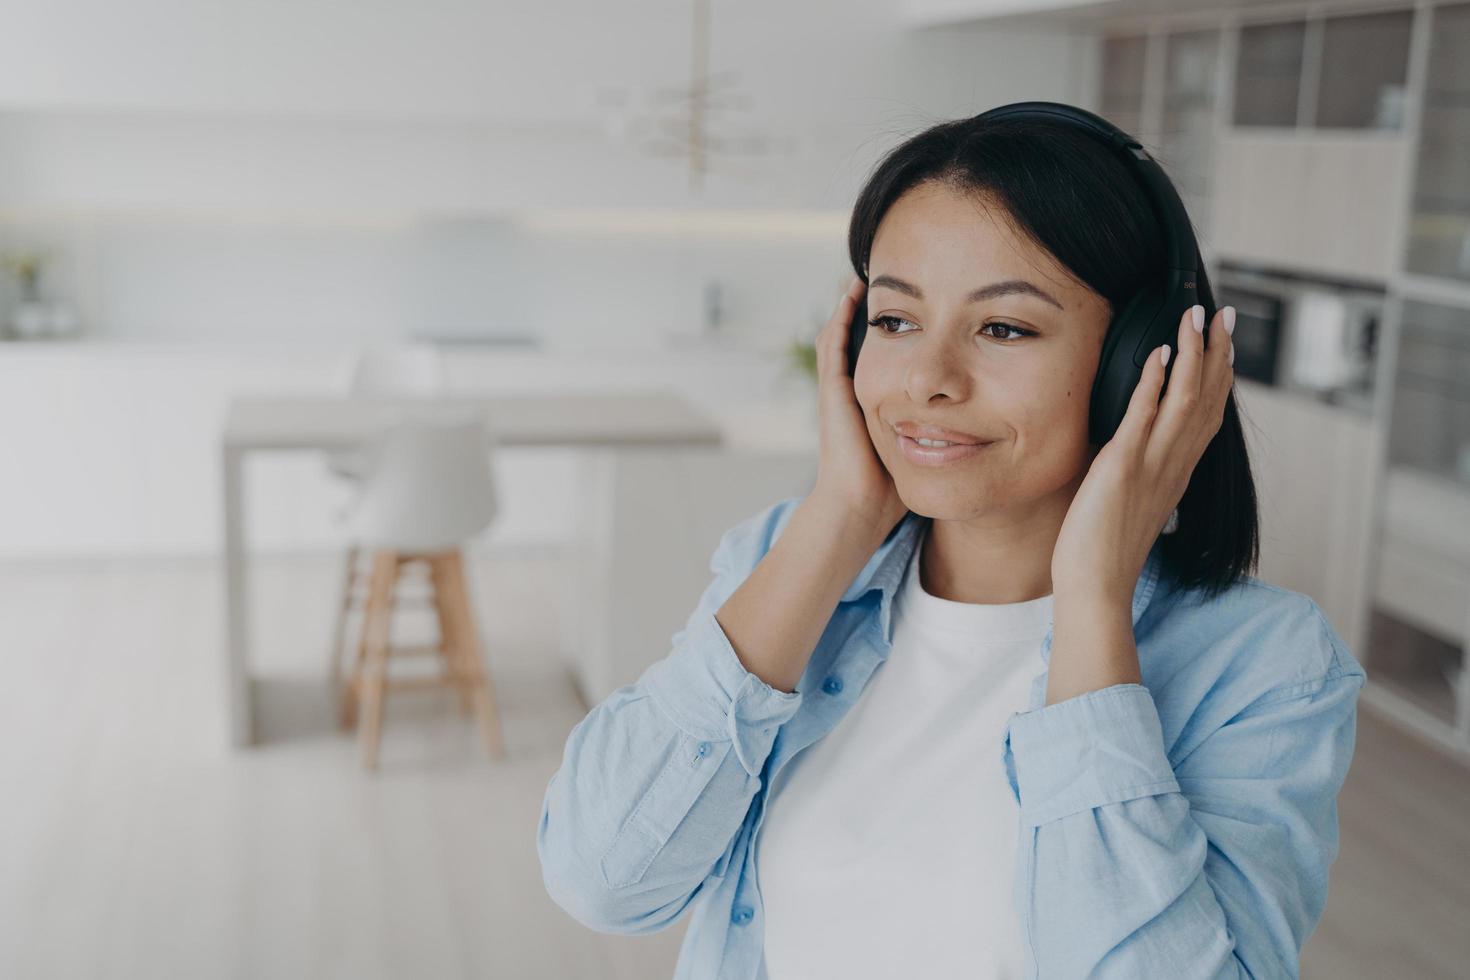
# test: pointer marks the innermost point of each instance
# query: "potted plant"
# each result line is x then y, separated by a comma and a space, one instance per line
29, 316
802, 357
33, 317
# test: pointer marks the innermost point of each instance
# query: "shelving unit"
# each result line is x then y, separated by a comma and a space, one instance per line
1419, 618
1371, 109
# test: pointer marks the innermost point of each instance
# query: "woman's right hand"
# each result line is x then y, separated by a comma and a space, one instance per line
850, 476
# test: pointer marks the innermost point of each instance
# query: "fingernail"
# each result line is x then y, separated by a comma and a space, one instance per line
1230, 320
1164, 357
1231, 359
1198, 312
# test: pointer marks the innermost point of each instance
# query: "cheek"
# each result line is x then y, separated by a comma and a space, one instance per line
868, 383
862, 381
1047, 412
1056, 391
871, 389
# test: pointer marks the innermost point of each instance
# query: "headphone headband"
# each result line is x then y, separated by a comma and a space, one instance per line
1180, 249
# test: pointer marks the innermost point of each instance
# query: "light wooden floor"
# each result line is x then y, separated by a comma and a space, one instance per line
131, 845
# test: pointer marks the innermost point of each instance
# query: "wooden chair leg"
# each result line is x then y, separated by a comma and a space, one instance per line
374, 675
481, 687
351, 688
450, 642
339, 630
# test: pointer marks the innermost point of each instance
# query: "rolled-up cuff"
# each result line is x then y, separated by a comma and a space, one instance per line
1102, 747
710, 694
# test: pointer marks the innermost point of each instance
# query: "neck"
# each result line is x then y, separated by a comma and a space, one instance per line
993, 560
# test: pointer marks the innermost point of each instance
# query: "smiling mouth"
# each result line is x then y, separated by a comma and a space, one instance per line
916, 452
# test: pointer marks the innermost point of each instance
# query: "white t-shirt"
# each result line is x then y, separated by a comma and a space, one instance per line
888, 846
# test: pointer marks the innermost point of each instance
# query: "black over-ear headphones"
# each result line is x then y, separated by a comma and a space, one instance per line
1151, 318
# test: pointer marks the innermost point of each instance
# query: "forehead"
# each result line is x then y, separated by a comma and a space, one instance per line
934, 230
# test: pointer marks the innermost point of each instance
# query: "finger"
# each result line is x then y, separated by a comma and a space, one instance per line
1223, 341
847, 309
1189, 359
1191, 387
1143, 404
1218, 376
832, 343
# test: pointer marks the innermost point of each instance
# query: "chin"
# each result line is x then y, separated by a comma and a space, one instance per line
930, 498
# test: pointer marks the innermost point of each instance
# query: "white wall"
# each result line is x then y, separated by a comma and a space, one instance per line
161, 278
299, 178
814, 65
197, 200
176, 222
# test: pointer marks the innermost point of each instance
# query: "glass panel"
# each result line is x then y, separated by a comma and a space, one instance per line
1268, 74
1429, 428
1439, 229
1187, 145
1365, 65
1123, 64
1420, 666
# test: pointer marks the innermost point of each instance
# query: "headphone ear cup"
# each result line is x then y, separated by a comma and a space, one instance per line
1120, 366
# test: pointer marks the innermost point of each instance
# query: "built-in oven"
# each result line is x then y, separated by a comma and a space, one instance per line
1308, 333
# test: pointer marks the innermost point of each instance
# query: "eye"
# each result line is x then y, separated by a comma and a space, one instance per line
882, 322
885, 323
1022, 331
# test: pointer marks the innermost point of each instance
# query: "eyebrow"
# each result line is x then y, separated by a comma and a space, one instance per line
1006, 288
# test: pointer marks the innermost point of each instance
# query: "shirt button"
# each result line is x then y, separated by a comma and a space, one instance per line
704, 748
741, 915
832, 685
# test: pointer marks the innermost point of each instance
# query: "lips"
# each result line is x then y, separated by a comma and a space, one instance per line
915, 430
938, 455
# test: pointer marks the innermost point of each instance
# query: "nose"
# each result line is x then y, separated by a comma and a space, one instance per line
936, 367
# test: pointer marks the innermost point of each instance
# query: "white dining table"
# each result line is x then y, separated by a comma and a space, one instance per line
590, 419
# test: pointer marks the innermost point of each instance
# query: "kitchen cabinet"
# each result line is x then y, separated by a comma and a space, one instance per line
1187, 143
1313, 466
1426, 533
1430, 421
1283, 201
1258, 186
1419, 625
1420, 621
1311, 191
1124, 71
1268, 74
1439, 223
1365, 68
1331, 72
1178, 126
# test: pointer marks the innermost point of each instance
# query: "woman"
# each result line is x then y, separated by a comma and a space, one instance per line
1011, 706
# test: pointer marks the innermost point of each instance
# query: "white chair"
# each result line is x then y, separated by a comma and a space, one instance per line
402, 371
407, 371
430, 488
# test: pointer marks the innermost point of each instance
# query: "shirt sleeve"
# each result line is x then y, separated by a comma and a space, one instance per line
656, 781
1212, 866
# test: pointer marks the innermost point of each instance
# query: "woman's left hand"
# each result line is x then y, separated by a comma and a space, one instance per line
1139, 477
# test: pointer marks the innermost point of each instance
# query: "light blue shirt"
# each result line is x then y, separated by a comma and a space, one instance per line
1178, 828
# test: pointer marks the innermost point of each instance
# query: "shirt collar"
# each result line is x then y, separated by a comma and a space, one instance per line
884, 571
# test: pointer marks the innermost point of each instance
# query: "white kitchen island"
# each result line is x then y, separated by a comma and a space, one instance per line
115, 454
